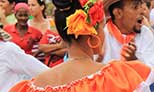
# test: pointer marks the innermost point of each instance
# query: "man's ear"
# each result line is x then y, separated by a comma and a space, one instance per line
118, 13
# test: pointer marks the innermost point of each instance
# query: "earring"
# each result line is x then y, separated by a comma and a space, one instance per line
90, 44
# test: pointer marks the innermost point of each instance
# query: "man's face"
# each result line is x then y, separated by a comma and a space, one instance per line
6, 6
146, 10
131, 17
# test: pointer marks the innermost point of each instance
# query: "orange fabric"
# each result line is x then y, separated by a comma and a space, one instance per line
31, 37
22, 86
117, 34
77, 24
115, 77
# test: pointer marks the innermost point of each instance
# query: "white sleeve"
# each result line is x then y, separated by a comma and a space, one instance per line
145, 85
152, 17
23, 63
145, 47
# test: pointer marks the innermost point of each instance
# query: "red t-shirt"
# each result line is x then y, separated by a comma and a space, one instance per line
26, 42
51, 38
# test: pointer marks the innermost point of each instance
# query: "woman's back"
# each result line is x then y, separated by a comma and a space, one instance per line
67, 72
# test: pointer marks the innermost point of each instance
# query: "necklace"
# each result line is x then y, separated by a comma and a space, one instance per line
79, 58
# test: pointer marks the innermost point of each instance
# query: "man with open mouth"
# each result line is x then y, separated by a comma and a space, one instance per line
126, 38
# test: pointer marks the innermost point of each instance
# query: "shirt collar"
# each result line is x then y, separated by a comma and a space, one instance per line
15, 30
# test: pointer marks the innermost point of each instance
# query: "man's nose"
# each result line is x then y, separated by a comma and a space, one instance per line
141, 11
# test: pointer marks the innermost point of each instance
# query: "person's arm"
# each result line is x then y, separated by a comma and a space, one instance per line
145, 44
147, 23
59, 52
47, 48
24, 63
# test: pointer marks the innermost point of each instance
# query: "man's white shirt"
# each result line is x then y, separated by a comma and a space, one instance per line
144, 42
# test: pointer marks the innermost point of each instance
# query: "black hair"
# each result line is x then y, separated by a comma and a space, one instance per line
42, 2
60, 16
11, 1
20, 1
148, 3
120, 4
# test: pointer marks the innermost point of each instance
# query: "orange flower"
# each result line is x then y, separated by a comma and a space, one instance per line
78, 25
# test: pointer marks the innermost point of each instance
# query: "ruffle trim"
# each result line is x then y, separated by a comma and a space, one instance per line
68, 86
92, 79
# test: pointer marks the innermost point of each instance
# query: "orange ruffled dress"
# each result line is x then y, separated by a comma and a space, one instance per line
114, 77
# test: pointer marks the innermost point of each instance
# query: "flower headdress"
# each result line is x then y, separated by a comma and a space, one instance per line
85, 21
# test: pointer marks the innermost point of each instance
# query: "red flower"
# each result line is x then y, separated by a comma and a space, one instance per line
96, 13
83, 2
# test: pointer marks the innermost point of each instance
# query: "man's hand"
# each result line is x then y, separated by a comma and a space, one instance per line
128, 52
146, 22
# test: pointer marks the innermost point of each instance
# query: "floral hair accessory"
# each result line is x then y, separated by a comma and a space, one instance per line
78, 25
86, 21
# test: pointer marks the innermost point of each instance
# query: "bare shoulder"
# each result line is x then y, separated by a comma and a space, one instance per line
65, 73
50, 76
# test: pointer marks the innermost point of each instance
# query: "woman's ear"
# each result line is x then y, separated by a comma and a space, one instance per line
42, 7
118, 13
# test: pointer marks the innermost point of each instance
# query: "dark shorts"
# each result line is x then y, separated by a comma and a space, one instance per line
152, 87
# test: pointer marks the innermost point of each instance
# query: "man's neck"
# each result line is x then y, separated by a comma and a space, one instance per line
121, 27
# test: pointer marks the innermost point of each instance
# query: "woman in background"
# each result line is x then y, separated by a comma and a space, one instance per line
37, 10
22, 34
46, 50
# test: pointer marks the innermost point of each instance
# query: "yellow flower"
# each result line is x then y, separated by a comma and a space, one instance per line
78, 25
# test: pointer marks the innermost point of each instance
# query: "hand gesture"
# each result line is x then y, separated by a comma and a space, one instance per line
146, 22
128, 52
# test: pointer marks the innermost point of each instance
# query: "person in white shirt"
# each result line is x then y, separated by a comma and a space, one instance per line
15, 64
126, 37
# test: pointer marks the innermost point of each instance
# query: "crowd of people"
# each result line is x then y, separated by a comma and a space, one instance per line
86, 46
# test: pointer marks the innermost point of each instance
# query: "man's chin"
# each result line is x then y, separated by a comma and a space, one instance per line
137, 30
23, 24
